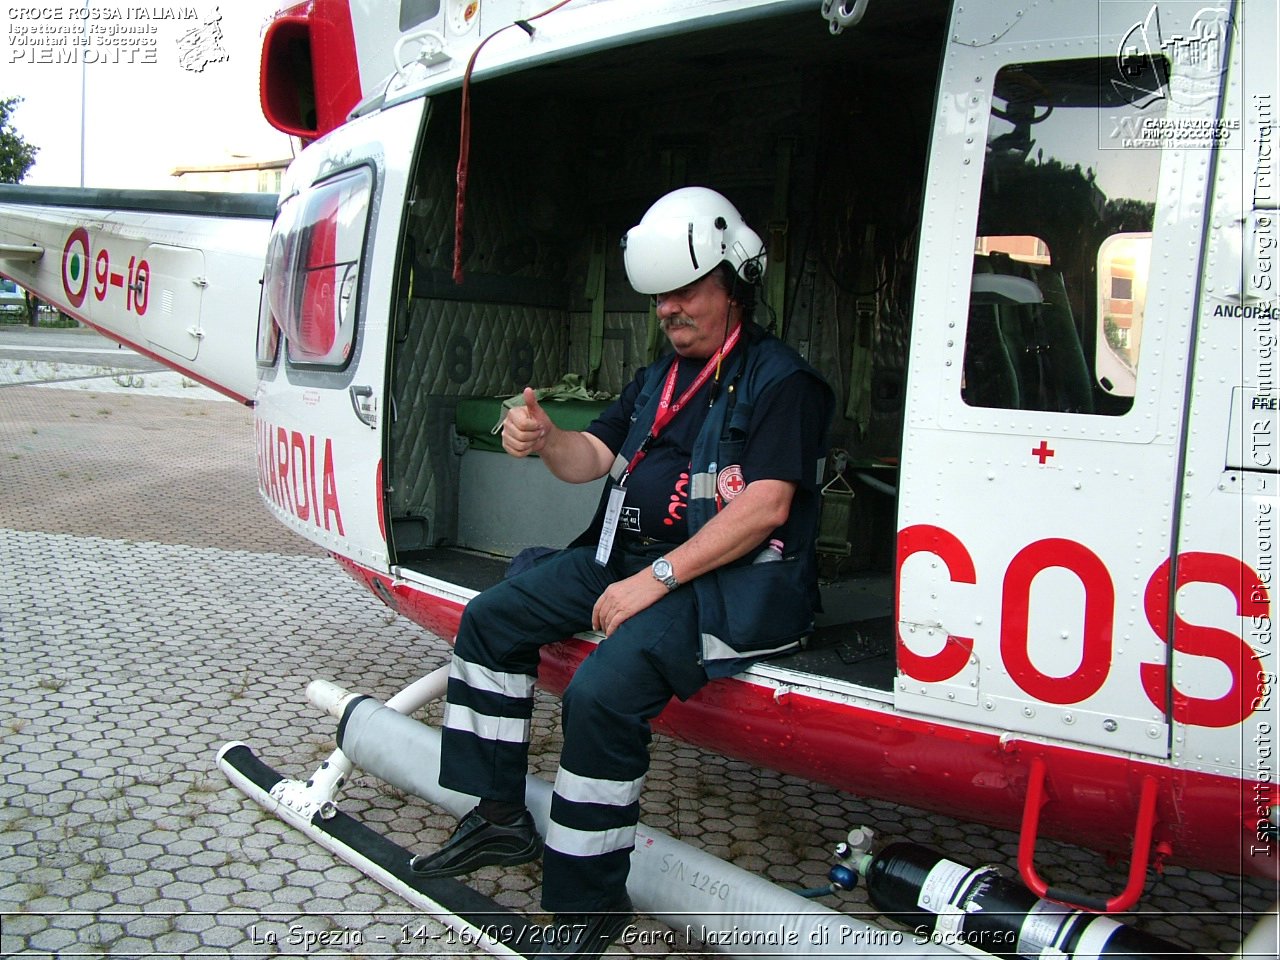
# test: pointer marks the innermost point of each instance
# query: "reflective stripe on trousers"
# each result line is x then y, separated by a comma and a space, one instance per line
606, 710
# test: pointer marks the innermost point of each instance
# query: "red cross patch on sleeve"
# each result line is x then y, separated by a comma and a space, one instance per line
730, 482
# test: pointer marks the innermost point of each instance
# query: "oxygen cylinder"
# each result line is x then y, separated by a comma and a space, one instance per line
952, 904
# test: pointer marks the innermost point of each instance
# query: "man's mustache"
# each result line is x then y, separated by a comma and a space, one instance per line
677, 321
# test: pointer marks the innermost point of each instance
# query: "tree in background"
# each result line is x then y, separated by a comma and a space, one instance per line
16, 155
16, 158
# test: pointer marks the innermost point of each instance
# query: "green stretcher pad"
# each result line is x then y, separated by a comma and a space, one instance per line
476, 417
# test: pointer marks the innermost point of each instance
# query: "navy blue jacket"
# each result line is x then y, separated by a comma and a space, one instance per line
746, 611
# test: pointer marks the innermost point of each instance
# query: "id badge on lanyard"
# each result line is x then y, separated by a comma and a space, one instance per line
612, 514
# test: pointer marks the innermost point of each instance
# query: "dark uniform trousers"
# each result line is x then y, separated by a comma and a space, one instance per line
619, 688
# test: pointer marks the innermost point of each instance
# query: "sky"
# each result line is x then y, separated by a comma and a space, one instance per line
163, 86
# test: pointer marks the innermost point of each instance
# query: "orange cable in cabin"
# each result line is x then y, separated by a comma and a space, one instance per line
464, 136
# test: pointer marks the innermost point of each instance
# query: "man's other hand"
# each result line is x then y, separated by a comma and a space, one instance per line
624, 599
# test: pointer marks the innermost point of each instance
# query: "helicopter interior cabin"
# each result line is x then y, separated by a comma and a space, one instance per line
822, 142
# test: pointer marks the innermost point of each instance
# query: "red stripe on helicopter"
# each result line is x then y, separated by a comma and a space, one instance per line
1209, 820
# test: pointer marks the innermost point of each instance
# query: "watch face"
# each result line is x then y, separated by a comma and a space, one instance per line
663, 572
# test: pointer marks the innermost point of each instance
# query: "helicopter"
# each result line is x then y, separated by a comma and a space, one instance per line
1034, 253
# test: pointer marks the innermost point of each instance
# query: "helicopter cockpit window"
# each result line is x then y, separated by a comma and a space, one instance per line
312, 283
1063, 248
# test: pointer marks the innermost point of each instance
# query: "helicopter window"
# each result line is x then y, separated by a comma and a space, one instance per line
313, 272
275, 283
414, 12
268, 335
1063, 247
1123, 264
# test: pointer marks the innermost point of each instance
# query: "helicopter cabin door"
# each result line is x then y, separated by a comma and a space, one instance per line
1047, 390
328, 296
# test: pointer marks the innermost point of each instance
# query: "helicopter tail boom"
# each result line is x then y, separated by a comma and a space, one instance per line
172, 274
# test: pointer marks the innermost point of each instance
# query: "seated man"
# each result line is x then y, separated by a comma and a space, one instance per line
714, 455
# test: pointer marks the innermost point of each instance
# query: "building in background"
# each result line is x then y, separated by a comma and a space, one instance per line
246, 176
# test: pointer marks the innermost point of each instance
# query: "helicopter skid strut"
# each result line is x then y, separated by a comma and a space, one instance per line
729, 908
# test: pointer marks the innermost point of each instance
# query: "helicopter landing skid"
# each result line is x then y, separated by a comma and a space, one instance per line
473, 918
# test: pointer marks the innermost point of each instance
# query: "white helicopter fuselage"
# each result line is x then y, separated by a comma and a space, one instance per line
1033, 251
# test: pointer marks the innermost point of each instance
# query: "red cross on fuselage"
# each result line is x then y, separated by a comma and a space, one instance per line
1043, 451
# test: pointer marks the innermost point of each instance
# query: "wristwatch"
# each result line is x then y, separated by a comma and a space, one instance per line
663, 573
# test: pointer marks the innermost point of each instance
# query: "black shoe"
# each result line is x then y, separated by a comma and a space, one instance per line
586, 935
478, 843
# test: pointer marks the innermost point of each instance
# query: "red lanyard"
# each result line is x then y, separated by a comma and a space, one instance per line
667, 410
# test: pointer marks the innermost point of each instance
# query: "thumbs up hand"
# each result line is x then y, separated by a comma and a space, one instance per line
526, 428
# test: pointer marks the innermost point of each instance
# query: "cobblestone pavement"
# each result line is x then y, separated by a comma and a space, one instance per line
150, 611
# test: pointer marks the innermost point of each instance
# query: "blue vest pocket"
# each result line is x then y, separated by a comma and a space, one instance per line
766, 608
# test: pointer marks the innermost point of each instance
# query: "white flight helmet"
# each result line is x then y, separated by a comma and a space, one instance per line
686, 235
